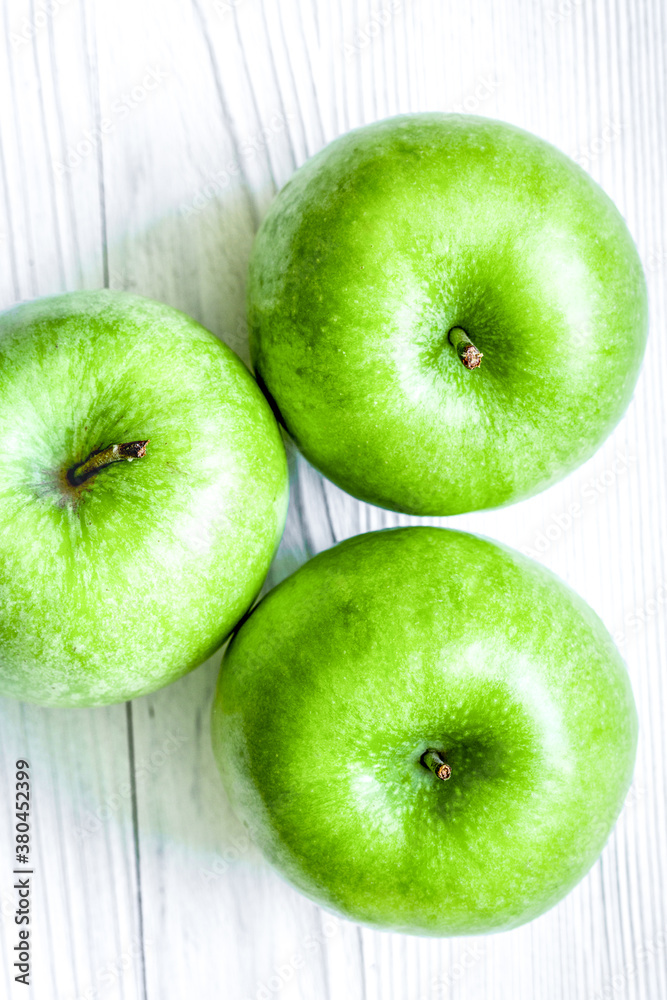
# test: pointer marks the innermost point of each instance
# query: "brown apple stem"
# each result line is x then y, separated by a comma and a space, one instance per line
106, 456
436, 763
466, 350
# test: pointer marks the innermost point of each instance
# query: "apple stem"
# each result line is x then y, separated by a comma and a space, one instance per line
436, 763
466, 350
106, 456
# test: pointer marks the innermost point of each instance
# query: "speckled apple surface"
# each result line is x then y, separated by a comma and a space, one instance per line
420, 638
399, 231
118, 586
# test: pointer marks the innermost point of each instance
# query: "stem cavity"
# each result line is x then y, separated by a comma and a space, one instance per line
105, 456
436, 763
466, 350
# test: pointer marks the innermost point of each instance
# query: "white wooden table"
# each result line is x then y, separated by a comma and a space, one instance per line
141, 142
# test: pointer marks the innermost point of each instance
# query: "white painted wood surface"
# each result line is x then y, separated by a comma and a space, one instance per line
141, 142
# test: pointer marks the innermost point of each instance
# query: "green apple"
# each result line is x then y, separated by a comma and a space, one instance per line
411, 245
143, 492
426, 732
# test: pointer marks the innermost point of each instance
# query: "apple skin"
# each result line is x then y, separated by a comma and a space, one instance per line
409, 639
399, 231
119, 586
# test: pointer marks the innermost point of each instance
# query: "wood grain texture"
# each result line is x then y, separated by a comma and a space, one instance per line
141, 144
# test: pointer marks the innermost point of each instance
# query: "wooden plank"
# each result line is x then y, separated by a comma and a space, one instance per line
85, 935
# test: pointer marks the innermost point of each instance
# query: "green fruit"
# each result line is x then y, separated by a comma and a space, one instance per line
401, 232
116, 583
411, 640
